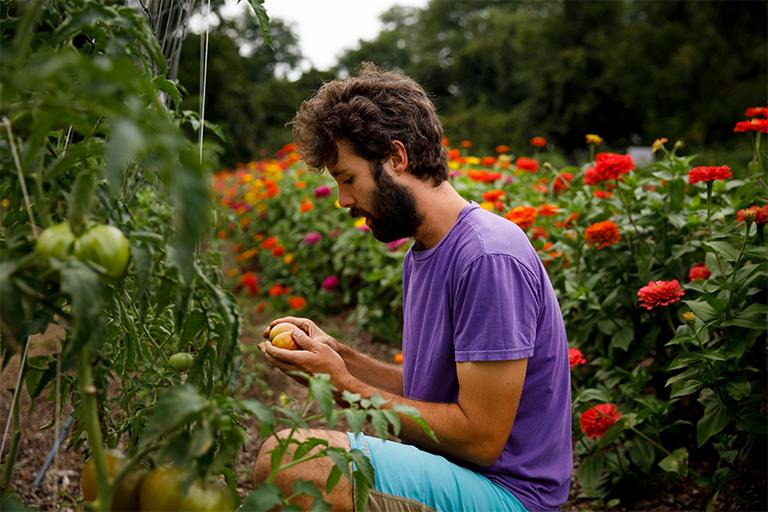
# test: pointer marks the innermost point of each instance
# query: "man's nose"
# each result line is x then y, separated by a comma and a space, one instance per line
345, 198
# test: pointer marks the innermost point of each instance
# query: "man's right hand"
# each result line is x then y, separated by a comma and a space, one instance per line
309, 327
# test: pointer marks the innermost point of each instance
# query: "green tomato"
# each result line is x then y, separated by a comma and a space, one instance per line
181, 361
161, 492
209, 496
105, 246
55, 242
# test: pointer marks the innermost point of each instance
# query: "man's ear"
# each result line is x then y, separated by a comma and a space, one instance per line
399, 158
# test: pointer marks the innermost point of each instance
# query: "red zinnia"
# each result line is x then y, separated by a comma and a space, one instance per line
295, 302
575, 357
596, 421
277, 289
602, 194
602, 234
562, 182
527, 164
493, 195
709, 173
502, 148
608, 166
250, 282
523, 216
757, 112
539, 142
757, 213
753, 125
659, 293
698, 272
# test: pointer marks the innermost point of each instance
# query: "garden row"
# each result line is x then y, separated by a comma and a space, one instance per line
660, 271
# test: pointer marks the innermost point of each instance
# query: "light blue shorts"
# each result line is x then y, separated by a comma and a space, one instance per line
406, 477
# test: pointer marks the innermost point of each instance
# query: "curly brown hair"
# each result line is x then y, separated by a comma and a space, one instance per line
369, 111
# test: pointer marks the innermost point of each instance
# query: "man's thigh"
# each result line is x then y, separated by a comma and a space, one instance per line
410, 479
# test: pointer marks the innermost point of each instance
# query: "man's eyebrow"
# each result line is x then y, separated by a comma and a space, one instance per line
337, 172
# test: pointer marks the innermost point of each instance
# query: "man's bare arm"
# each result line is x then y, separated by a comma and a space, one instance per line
381, 375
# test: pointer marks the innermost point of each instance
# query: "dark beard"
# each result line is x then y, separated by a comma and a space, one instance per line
393, 206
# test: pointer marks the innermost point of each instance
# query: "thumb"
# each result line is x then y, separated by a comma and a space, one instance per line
302, 339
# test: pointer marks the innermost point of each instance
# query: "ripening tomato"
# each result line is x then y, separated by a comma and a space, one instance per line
56, 241
125, 497
181, 361
161, 492
105, 246
281, 336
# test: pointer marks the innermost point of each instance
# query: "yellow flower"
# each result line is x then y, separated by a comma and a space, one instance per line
453, 165
288, 258
6, 203
658, 144
473, 160
487, 205
594, 139
233, 272
337, 203
360, 222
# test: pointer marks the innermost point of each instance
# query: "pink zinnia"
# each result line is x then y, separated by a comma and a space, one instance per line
312, 238
330, 283
659, 293
322, 191
396, 244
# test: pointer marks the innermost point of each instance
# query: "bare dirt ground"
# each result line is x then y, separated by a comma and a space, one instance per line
59, 489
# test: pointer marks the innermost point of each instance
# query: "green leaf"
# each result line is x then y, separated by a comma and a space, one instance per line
623, 338
265, 497
263, 413
83, 287
739, 389
753, 317
415, 415
393, 420
125, 142
363, 478
356, 419
263, 18
613, 433
305, 487
702, 310
80, 200
589, 473
641, 453
379, 422
676, 462
724, 249
174, 408
321, 389
333, 478
685, 387
715, 419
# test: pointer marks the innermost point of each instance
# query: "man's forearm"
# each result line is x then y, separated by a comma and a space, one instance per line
385, 376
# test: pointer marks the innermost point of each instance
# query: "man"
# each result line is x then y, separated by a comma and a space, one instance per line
485, 357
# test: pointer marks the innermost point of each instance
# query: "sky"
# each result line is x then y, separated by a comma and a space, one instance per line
327, 27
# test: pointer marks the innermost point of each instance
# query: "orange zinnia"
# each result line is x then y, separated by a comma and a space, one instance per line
602, 234
493, 195
295, 302
523, 216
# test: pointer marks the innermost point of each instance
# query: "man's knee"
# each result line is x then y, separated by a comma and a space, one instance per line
263, 465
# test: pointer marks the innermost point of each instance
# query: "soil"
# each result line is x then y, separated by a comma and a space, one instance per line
59, 489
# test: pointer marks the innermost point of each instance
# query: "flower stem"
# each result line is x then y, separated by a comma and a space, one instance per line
709, 206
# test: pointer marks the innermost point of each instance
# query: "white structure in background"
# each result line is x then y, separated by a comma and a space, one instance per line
641, 155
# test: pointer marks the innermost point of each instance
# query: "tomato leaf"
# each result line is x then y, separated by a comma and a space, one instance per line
175, 407
265, 497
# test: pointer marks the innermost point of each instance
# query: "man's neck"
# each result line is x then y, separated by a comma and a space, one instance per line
440, 207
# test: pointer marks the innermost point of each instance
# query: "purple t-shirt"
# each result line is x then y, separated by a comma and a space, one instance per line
482, 294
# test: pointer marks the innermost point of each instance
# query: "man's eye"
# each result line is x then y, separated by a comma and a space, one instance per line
347, 181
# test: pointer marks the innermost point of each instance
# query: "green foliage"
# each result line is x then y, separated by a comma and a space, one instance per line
686, 377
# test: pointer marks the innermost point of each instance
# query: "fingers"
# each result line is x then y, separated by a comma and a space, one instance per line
278, 357
305, 324
302, 340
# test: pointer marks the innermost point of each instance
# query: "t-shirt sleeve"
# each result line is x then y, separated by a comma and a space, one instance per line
495, 310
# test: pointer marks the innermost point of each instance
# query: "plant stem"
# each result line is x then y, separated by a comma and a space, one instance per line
14, 412
90, 417
22, 182
709, 207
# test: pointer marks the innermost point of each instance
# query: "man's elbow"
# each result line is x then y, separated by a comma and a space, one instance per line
486, 453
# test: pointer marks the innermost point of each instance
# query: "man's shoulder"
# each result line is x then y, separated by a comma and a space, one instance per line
484, 233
